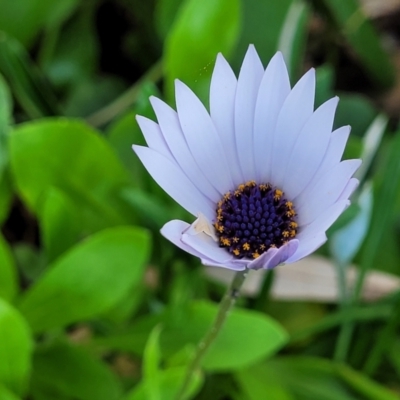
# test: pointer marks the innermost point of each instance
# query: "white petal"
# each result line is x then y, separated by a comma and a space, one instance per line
206, 245
273, 257
351, 186
222, 108
274, 88
171, 178
249, 80
173, 135
153, 136
326, 191
202, 138
173, 231
307, 246
309, 149
296, 110
324, 220
333, 154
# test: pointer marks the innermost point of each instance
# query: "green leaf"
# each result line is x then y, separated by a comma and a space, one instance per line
371, 142
23, 19
6, 394
69, 155
164, 15
345, 242
59, 223
88, 280
230, 350
364, 385
8, 274
200, 31
68, 371
170, 381
15, 349
363, 38
356, 111
26, 81
5, 120
262, 23
324, 77
151, 363
300, 378
293, 35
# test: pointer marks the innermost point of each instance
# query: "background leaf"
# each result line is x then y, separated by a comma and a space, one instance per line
87, 281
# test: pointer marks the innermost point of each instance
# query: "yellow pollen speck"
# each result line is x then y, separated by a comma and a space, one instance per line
292, 233
255, 255
246, 246
278, 194
285, 234
225, 241
236, 252
251, 183
220, 228
235, 239
289, 204
262, 247
220, 217
220, 204
264, 187
238, 193
227, 196
293, 224
290, 213
273, 245
241, 187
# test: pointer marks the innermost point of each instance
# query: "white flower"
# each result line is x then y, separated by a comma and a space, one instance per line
261, 171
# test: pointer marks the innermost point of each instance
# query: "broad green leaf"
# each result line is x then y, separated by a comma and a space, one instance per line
68, 371
293, 35
230, 350
170, 383
88, 280
69, 155
164, 15
200, 31
23, 19
59, 223
363, 38
26, 81
262, 22
5, 110
8, 275
255, 388
15, 349
345, 242
6, 394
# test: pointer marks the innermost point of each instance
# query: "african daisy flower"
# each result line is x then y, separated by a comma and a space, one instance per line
261, 172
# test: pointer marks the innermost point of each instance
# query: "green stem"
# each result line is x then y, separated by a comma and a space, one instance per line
106, 114
226, 304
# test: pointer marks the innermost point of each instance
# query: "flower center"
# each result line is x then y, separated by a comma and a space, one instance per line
253, 219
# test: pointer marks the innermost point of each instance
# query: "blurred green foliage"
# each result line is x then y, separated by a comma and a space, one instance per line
94, 304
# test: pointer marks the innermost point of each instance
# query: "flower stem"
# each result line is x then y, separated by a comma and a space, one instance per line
226, 304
